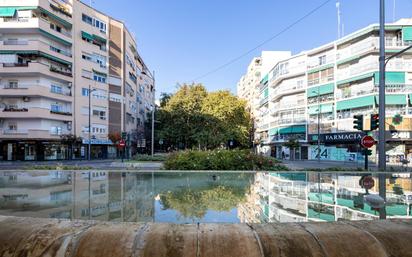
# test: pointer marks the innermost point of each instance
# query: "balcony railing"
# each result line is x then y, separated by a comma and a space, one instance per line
57, 70
15, 109
61, 113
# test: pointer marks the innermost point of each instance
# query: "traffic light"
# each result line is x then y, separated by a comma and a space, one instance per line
374, 121
367, 152
124, 135
358, 122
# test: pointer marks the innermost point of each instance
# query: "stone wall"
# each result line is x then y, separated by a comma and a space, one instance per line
51, 237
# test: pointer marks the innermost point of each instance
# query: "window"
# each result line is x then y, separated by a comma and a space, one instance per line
12, 126
99, 77
322, 59
56, 89
86, 57
56, 130
56, 108
13, 84
87, 19
85, 92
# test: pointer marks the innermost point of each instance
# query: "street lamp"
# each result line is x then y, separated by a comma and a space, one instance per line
90, 130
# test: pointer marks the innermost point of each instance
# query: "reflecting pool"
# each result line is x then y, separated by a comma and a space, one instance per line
191, 197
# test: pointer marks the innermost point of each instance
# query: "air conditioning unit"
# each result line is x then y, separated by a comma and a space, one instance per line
26, 99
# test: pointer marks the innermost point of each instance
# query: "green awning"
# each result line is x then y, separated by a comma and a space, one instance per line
57, 18
87, 36
324, 67
292, 129
392, 77
393, 100
324, 108
51, 57
98, 38
410, 99
265, 79
356, 78
51, 36
407, 33
356, 103
321, 90
54, 58
266, 92
7, 11
273, 131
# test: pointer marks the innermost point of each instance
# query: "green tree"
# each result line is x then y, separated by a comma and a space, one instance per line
194, 118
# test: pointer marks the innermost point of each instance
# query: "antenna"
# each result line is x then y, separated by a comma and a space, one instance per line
338, 14
394, 11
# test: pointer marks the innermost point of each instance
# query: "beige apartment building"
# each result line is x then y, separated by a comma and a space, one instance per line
53, 55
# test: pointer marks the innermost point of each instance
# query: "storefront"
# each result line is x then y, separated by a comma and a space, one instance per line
336, 147
399, 146
33, 151
99, 148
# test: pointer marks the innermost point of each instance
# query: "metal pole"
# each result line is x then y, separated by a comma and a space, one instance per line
381, 146
153, 113
319, 125
382, 116
90, 130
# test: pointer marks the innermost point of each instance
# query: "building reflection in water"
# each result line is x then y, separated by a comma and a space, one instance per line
199, 197
311, 196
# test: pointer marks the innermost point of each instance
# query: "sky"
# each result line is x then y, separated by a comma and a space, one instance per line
182, 40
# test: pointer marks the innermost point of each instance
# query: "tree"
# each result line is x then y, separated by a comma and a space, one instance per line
292, 144
195, 118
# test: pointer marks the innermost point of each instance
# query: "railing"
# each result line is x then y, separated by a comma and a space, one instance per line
57, 70
15, 109
61, 113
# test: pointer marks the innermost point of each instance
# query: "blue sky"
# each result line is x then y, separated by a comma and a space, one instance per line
184, 39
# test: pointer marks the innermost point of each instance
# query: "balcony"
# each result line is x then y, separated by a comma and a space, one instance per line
59, 8
35, 45
357, 69
33, 113
27, 134
35, 91
16, 69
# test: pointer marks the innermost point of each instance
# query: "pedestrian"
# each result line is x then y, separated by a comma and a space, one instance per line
283, 155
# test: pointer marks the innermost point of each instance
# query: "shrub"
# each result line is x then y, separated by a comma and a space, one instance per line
221, 160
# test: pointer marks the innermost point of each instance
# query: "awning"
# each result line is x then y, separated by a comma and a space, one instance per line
273, 131
98, 38
391, 77
293, 129
265, 79
87, 36
410, 98
7, 11
324, 108
356, 103
356, 78
321, 90
407, 33
51, 36
57, 18
393, 100
34, 52
324, 67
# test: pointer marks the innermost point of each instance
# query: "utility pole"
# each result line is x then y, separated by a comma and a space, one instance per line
382, 116
319, 112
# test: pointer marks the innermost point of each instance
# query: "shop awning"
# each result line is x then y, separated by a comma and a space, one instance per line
324, 108
392, 77
292, 129
393, 100
87, 36
356, 103
321, 90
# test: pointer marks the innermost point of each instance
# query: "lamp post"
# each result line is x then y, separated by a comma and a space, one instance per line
90, 130
153, 114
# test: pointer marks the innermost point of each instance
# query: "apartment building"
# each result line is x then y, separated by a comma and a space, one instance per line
316, 93
54, 54
248, 87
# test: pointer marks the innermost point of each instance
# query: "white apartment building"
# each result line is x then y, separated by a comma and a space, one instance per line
326, 86
53, 54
